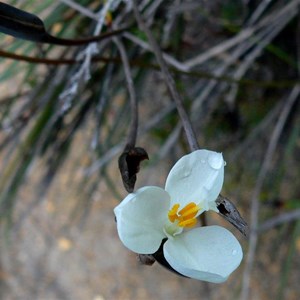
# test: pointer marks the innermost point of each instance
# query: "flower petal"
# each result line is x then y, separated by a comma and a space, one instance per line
206, 253
197, 177
141, 217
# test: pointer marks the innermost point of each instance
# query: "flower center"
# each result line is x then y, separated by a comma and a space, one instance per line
186, 217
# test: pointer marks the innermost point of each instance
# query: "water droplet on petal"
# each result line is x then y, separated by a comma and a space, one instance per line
225, 163
203, 161
186, 173
234, 252
209, 185
215, 160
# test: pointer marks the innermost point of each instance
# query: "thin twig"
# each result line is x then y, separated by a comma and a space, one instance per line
271, 33
240, 37
297, 40
276, 84
218, 49
191, 137
170, 141
258, 12
211, 85
168, 58
171, 17
256, 131
132, 135
149, 14
240, 50
258, 187
81, 9
172, 61
82, 74
111, 153
278, 220
102, 102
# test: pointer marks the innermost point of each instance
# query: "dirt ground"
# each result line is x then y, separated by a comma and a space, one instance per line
55, 251
43, 259
51, 253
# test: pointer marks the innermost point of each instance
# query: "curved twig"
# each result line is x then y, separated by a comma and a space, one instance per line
187, 126
131, 139
287, 106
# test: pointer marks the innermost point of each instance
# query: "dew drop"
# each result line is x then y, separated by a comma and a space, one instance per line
234, 252
203, 161
225, 163
215, 160
186, 174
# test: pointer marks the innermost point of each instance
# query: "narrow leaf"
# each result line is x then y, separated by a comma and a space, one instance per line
21, 24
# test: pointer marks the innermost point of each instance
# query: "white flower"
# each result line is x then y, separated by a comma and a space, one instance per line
151, 214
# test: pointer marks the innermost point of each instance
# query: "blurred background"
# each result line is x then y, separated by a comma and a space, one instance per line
65, 114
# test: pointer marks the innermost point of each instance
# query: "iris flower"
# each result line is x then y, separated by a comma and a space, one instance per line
151, 215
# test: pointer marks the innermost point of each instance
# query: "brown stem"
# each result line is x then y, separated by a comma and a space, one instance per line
49, 39
191, 137
131, 139
140, 63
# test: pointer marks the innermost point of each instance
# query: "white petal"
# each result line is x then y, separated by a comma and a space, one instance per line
207, 253
141, 217
197, 177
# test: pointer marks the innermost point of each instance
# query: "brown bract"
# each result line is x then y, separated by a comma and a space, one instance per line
129, 165
229, 212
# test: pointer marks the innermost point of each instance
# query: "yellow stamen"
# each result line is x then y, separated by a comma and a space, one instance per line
187, 208
189, 213
186, 217
173, 213
188, 223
